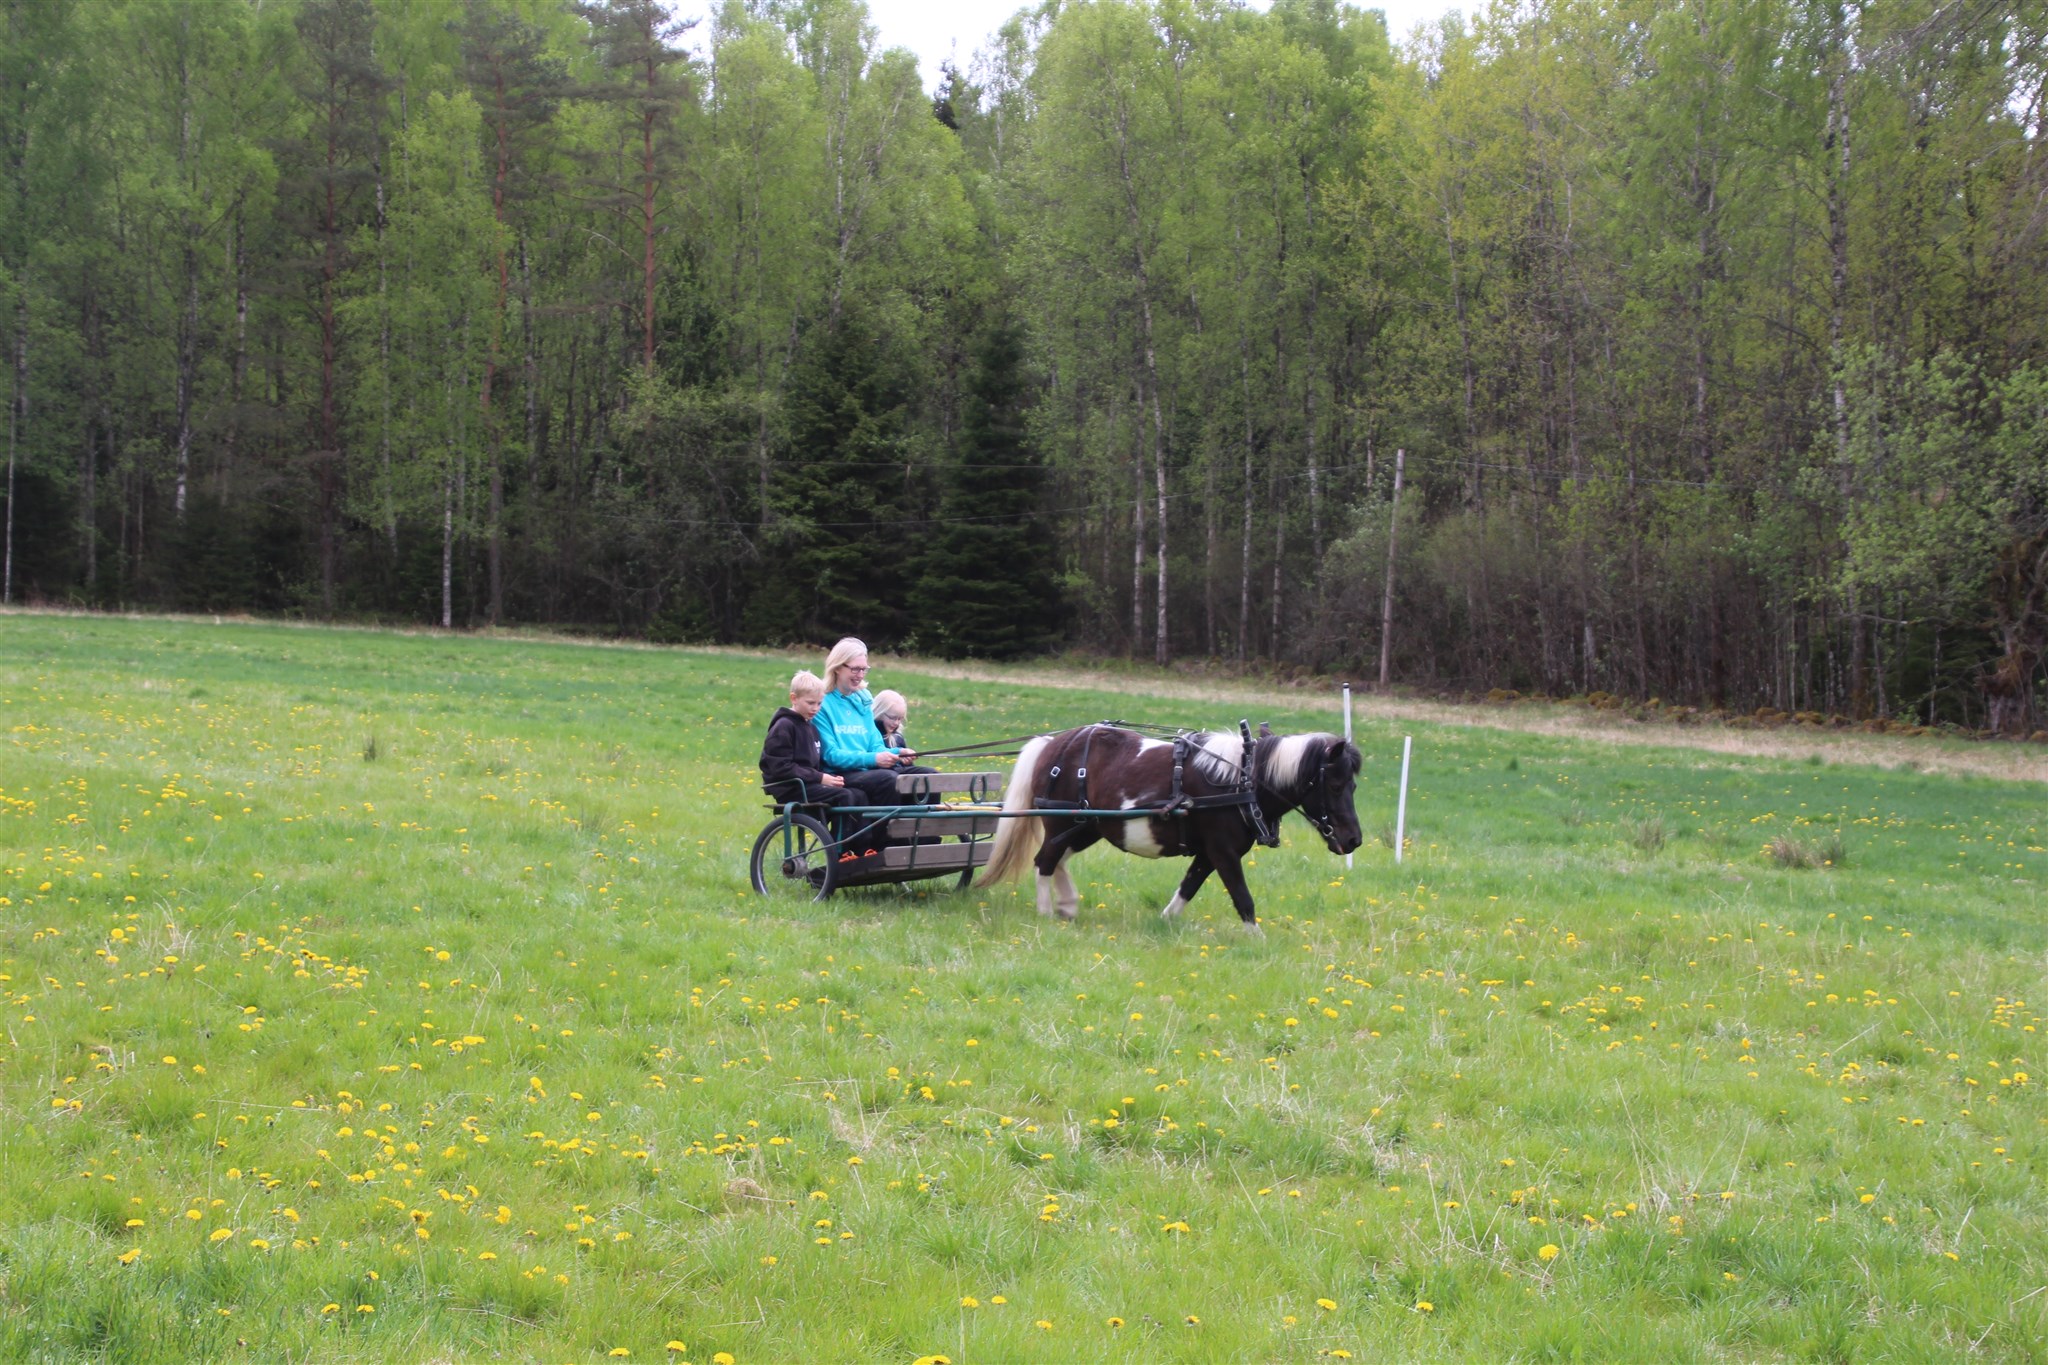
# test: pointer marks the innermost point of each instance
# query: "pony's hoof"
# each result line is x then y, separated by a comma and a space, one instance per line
1252, 929
1066, 914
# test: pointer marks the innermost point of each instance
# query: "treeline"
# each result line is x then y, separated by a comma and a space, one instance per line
1706, 336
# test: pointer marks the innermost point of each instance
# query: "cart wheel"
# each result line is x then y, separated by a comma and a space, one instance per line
799, 870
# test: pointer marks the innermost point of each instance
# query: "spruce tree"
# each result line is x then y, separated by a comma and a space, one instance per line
841, 536
987, 588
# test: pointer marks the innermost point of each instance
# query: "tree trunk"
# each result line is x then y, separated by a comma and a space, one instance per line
239, 372
188, 321
1138, 545
17, 418
329, 458
1387, 597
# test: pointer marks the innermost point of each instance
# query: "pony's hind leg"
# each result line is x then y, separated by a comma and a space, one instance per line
1057, 894
1068, 896
1198, 872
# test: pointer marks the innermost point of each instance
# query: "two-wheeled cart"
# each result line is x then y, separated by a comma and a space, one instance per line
944, 828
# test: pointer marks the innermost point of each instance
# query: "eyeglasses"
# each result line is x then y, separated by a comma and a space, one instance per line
856, 668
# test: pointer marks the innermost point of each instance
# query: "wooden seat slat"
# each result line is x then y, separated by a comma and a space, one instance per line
937, 857
946, 826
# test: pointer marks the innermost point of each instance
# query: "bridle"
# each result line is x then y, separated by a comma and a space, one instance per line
1322, 819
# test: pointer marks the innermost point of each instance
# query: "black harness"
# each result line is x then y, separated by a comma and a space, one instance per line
1244, 792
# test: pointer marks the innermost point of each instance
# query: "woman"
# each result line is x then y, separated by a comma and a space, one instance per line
854, 747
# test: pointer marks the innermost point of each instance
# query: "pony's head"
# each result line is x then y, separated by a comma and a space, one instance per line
1318, 774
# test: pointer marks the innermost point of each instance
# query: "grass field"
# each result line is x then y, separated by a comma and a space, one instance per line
377, 997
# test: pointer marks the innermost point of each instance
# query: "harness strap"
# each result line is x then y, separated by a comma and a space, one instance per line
1176, 799
1248, 784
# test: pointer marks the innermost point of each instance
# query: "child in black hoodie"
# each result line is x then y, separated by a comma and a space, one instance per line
792, 758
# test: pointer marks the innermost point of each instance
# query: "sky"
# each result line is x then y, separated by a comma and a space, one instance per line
938, 29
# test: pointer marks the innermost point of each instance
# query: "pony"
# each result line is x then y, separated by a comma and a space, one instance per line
1107, 767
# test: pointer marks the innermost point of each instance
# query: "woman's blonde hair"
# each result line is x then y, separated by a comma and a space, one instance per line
889, 702
843, 653
806, 684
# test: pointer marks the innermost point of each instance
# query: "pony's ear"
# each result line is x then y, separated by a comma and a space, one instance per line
1352, 756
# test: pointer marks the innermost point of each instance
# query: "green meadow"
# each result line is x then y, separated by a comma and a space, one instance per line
379, 997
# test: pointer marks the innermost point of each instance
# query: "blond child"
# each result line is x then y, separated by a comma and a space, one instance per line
890, 710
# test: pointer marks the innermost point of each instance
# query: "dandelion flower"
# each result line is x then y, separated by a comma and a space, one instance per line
1424, 1306
1116, 1322
1327, 1305
128, 1257
618, 1352
675, 1346
722, 1358
1043, 1324
969, 1301
1192, 1321
1547, 1252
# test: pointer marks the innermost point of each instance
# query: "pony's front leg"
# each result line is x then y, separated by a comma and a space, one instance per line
1231, 870
1198, 872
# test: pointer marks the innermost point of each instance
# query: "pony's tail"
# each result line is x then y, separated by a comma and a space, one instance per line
1017, 837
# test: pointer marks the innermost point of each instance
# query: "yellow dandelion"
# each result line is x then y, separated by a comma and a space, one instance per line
1192, 1321
618, 1352
330, 1308
128, 1257
1327, 1305
1424, 1306
722, 1358
1043, 1324
969, 1301
675, 1346
220, 1234
365, 1308
1547, 1252
1116, 1322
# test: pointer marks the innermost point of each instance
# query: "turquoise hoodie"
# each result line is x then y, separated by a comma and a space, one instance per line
846, 725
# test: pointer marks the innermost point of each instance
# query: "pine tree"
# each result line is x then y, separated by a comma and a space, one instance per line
517, 85
634, 41
323, 199
987, 587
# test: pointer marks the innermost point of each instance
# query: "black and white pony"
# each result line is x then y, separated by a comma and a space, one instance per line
1109, 768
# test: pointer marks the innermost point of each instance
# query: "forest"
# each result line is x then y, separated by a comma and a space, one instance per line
1687, 350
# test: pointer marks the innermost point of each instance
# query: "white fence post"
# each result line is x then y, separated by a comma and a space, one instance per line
1401, 811
1347, 738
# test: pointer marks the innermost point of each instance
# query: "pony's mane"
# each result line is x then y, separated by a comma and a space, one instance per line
1216, 757
1282, 770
